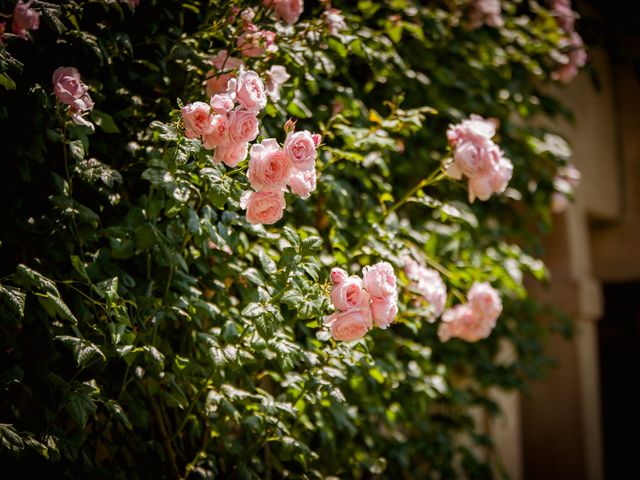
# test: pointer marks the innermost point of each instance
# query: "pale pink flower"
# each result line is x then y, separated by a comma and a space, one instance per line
349, 325
197, 119
380, 279
462, 322
218, 134
334, 20
502, 175
218, 79
222, 103
485, 302
231, 154
263, 207
269, 166
25, 18
302, 183
383, 311
576, 59
300, 147
70, 90
475, 129
349, 293
427, 283
289, 10
255, 43
571, 175
481, 186
276, 77
242, 126
565, 16
249, 91
338, 275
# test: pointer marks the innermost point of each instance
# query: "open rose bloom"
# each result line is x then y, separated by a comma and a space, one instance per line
25, 18
428, 285
363, 303
70, 90
474, 320
477, 157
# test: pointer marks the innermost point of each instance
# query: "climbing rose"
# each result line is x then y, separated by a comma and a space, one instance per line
269, 166
338, 275
349, 325
249, 90
334, 20
25, 18
462, 322
263, 207
289, 10
197, 119
218, 134
383, 310
222, 103
302, 183
242, 126
231, 154
427, 283
485, 301
300, 147
380, 280
276, 77
576, 59
486, 11
254, 43
349, 294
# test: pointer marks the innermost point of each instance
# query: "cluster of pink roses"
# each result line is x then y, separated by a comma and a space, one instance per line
25, 18
230, 120
565, 182
428, 284
485, 11
474, 320
574, 46
272, 169
287, 10
70, 90
362, 303
253, 41
478, 157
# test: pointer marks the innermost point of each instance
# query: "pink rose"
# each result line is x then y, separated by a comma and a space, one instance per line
222, 103
218, 134
263, 207
276, 77
475, 129
269, 166
428, 284
70, 90
349, 294
502, 175
338, 275
197, 119
571, 175
349, 325
254, 43
302, 183
383, 311
380, 279
250, 91
486, 11
218, 79
576, 59
301, 150
242, 126
481, 186
231, 154
289, 10
462, 322
564, 14
485, 301
25, 18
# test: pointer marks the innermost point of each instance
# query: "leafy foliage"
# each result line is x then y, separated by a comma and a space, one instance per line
149, 331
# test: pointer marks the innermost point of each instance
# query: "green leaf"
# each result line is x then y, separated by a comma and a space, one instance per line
10, 439
76, 149
13, 299
79, 267
57, 305
83, 350
104, 121
253, 310
7, 82
33, 280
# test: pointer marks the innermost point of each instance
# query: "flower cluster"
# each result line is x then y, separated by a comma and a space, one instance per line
474, 320
576, 57
363, 302
287, 10
478, 157
428, 284
253, 41
485, 11
70, 90
230, 120
25, 18
225, 66
272, 169
565, 182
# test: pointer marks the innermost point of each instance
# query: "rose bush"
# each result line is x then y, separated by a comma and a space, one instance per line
233, 245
